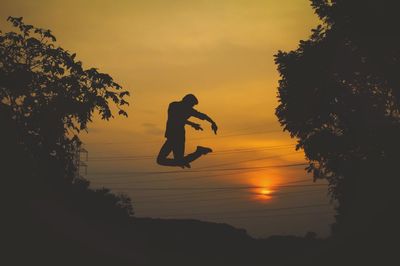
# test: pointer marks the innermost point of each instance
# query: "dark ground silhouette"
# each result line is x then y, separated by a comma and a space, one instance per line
50, 232
178, 115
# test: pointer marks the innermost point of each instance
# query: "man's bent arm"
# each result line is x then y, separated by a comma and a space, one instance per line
202, 116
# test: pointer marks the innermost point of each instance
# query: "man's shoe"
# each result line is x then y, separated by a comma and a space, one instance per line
187, 165
203, 150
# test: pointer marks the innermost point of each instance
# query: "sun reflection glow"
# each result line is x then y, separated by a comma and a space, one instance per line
264, 194
265, 184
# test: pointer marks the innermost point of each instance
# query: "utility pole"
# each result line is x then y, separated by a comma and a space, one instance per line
80, 152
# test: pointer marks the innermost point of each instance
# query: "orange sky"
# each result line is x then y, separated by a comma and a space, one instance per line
222, 51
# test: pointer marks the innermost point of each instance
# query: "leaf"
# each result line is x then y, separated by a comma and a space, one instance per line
123, 102
122, 94
122, 112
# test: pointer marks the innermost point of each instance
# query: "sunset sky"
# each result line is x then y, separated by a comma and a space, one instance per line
221, 51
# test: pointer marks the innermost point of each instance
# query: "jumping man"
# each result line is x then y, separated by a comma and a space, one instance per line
178, 115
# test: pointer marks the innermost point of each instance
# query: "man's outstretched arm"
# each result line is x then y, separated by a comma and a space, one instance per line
202, 116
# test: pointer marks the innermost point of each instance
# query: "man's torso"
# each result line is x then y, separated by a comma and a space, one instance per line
178, 114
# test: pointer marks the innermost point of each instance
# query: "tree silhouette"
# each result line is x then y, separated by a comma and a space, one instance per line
339, 96
48, 96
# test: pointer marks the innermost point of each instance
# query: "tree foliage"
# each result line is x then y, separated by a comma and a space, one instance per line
339, 96
47, 93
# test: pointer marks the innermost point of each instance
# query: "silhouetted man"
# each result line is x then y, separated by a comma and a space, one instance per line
178, 115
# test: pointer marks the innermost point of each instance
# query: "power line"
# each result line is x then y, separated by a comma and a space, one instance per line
276, 215
186, 200
158, 179
182, 195
207, 170
253, 210
210, 192
221, 152
199, 138
249, 160
242, 134
217, 188
165, 180
219, 192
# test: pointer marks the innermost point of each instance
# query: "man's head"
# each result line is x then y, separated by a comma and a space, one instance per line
190, 99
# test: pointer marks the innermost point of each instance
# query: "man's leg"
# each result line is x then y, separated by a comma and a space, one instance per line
163, 154
177, 146
178, 149
197, 154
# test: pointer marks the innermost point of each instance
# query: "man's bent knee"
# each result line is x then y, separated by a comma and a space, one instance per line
161, 160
